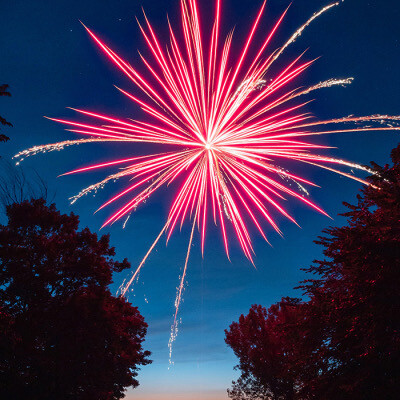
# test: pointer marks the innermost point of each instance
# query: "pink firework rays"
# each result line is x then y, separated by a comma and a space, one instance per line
227, 123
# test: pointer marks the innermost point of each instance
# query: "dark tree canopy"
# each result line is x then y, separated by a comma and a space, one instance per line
62, 333
262, 341
4, 92
343, 343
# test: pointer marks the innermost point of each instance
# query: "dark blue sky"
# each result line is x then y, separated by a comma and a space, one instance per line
50, 63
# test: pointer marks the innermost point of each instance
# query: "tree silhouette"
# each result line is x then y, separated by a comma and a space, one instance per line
355, 295
3, 121
344, 341
62, 334
264, 345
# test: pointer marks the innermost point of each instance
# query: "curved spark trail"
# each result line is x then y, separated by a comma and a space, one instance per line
227, 123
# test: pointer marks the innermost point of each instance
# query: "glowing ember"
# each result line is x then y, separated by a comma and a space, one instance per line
228, 122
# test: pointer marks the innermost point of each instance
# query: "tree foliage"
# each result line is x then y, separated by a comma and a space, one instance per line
260, 340
344, 341
4, 92
62, 333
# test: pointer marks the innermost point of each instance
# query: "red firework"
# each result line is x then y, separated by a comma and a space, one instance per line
227, 121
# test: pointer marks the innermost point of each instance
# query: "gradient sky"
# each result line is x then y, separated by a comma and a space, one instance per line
50, 63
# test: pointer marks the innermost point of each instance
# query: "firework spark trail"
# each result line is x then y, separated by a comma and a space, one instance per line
96, 186
125, 287
300, 31
174, 326
228, 123
325, 84
126, 221
55, 147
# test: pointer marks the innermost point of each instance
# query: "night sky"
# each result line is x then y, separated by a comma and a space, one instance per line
50, 63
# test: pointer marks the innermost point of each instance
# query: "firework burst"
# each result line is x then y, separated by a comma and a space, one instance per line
226, 122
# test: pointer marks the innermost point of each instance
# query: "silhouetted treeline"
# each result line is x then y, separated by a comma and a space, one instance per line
344, 342
63, 335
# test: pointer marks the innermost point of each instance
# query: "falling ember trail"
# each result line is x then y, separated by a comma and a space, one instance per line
174, 326
227, 123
